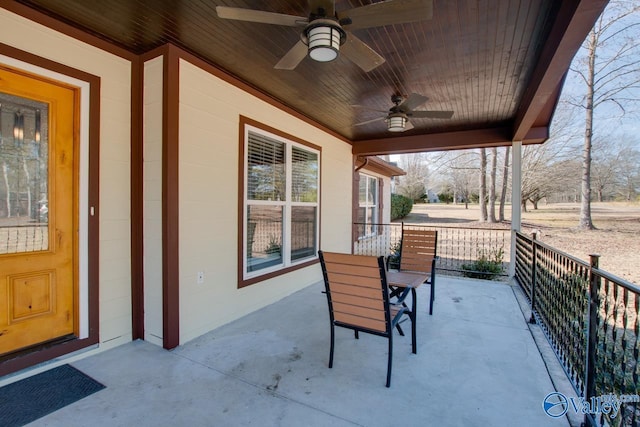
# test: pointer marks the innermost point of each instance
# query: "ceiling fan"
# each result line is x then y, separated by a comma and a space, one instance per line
398, 116
325, 31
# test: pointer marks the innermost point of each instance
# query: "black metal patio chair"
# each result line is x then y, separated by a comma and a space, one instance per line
418, 252
358, 299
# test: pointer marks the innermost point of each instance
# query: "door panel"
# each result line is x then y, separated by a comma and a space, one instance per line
38, 210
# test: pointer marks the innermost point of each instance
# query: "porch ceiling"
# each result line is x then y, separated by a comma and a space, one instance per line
498, 64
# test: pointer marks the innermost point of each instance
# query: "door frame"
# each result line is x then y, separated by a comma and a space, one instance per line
88, 206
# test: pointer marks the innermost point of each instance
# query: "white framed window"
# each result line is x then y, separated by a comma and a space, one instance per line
281, 194
368, 205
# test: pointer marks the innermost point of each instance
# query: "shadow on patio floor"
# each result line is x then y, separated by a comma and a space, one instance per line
477, 365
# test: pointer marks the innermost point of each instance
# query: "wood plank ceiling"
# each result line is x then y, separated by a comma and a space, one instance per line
498, 64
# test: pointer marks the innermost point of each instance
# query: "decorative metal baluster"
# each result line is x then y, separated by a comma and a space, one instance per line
636, 356
614, 337
623, 341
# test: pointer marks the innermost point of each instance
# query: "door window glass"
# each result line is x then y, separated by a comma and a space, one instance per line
24, 175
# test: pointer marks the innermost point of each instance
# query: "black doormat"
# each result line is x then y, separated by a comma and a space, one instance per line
34, 397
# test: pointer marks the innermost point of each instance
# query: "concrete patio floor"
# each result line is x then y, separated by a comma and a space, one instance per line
477, 365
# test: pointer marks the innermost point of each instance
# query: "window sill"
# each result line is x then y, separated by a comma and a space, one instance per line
256, 279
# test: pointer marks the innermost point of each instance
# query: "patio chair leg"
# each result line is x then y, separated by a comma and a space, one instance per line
389, 360
433, 290
399, 328
356, 335
331, 351
412, 317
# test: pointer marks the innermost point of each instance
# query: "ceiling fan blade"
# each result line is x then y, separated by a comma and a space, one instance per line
292, 58
261, 16
414, 100
431, 114
408, 126
329, 7
360, 53
388, 13
364, 107
370, 121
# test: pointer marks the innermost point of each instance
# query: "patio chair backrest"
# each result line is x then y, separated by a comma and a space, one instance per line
418, 249
357, 291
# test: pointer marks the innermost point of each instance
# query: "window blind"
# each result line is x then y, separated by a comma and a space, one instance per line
304, 175
266, 168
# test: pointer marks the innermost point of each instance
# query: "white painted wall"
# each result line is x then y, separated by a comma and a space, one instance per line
114, 241
209, 150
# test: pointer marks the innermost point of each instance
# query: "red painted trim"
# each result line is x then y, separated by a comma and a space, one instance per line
170, 199
240, 239
380, 202
137, 200
262, 278
94, 200
491, 137
355, 200
245, 121
44, 353
379, 166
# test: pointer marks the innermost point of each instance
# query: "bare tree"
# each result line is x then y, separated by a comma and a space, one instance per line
413, 184
457, 173
607, 159
543, 172
483, 185
610, 73
492, 184
628, 185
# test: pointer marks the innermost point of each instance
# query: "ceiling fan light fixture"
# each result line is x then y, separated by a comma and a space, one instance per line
324, 38
396, 122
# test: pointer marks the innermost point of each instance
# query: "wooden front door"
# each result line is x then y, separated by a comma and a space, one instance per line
38, 210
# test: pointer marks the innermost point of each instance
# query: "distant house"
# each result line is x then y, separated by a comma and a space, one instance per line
432, 197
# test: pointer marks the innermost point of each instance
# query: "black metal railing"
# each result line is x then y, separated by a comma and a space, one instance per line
591, 319
461, 250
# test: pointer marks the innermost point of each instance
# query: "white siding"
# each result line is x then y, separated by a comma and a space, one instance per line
209, 150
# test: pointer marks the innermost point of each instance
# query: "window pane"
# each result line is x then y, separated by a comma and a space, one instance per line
24, 175
266, 168
373, 191
303, 231
264, 237
362, 193
369, 220
360, 217
304, 175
